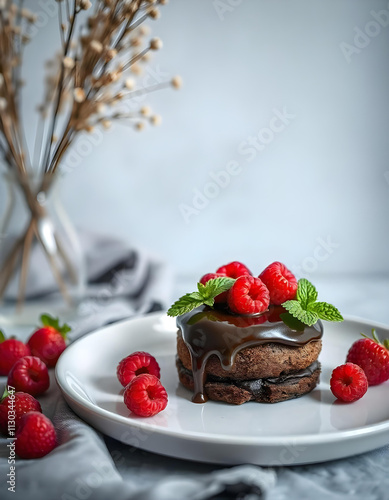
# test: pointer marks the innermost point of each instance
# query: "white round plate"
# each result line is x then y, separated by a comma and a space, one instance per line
310, 429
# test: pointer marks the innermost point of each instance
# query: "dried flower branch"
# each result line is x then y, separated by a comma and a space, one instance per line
91, 75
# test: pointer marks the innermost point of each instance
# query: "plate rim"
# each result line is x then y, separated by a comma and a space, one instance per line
312, 439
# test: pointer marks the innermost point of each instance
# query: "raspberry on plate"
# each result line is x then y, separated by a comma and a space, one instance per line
21, 403
10, 351
348, 382
135, 364
48, 342
36, 436
234, 270
372, 357
30, 375
145, 396
281, 283
222, 297
248, 295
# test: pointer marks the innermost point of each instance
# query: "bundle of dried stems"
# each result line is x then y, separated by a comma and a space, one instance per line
93, 72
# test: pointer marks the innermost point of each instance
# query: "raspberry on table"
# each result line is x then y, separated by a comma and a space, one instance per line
145, 396
248, 295
30, 375
47, 344
135, 364
36, 436
372, 357
348, 382
10, 351
21, 403
222, 297
234, 270
281, 283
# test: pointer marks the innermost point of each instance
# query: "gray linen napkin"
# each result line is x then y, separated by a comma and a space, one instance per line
122, 282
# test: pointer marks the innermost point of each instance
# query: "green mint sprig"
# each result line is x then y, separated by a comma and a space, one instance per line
205, 295
305, 307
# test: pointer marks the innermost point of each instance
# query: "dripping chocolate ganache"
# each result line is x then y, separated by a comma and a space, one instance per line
236, 358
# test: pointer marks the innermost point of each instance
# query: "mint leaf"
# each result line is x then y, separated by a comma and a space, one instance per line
196, 295
305, 307
297, 310
306, 293
183, 305
325, 311
217, 286
292, 322
205, 295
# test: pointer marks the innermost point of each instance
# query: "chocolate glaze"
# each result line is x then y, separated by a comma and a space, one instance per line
256, 386
208, 331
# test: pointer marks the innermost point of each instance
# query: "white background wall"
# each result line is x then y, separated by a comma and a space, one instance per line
322, 178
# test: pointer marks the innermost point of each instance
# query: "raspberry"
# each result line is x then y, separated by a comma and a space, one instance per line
222, 297
21, 403
10, 351
234, 270
280, 282
135, 364
47, 343
372, 357
145, 396
36, 436
30, 375
348, 382
248, 295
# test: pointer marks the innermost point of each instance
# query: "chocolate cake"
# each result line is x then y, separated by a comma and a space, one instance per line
233, 358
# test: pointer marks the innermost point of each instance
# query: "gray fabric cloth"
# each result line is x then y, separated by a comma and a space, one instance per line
122, 282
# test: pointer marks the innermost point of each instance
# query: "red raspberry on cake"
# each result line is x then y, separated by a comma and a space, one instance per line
36, 436
21, 403
372, 357
136, 364
248, 295
281, 283
234, 270
145, 396
30, 375
348, 382
10, 351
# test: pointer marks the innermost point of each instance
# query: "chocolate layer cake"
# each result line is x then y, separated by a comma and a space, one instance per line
235, 359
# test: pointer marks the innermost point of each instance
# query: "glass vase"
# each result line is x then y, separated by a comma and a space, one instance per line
41, 260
